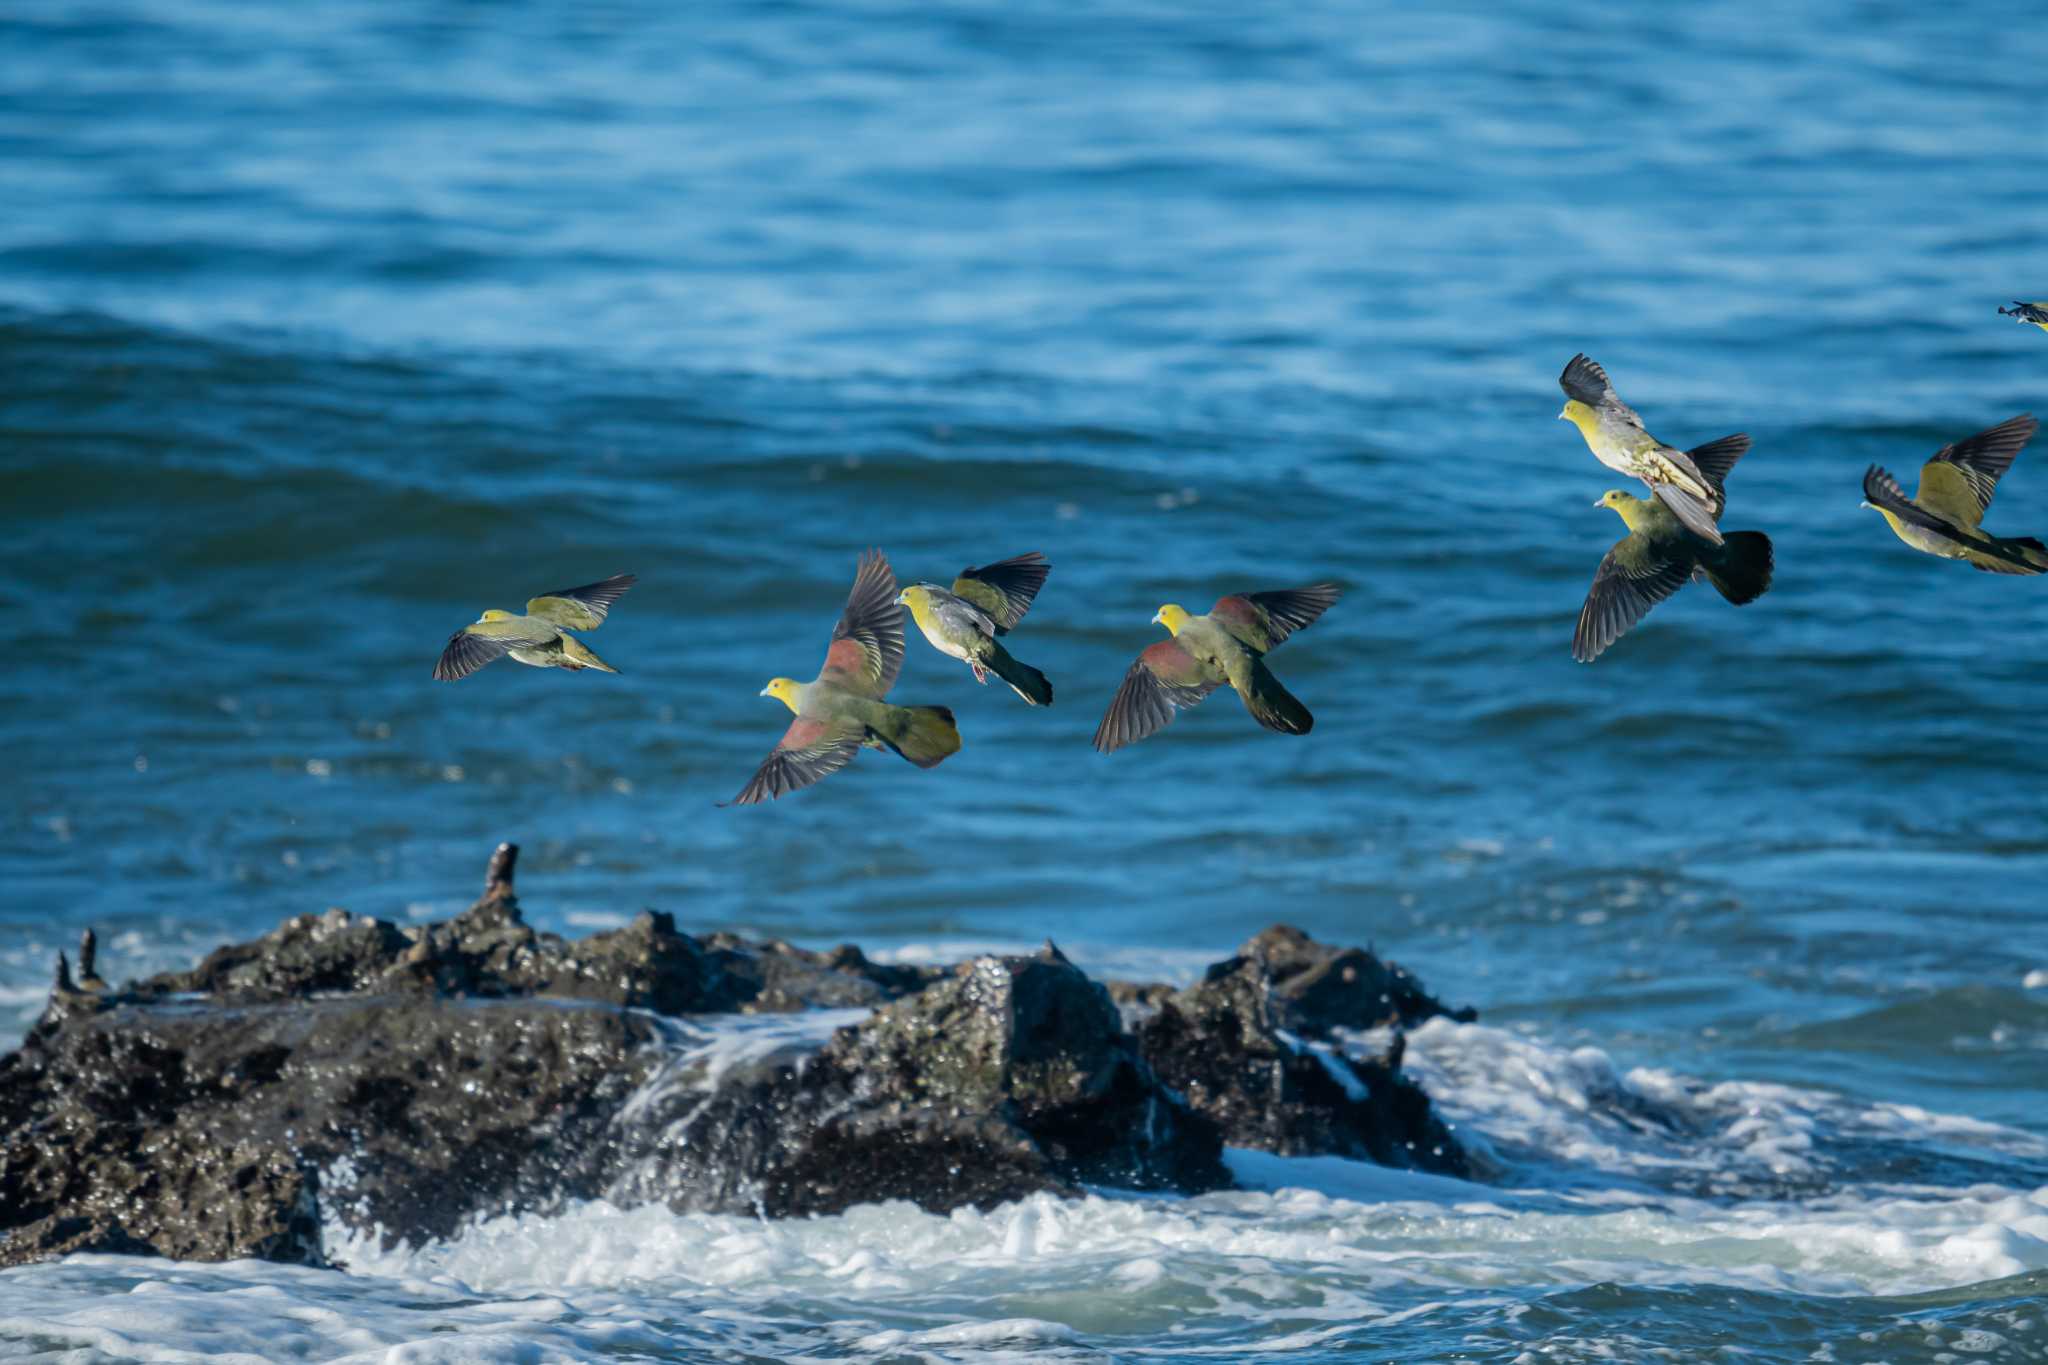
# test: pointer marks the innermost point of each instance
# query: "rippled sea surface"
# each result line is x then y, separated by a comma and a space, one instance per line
324, 328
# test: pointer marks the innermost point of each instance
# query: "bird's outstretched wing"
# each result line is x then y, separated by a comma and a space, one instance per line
809, 750
581, 608
1716, 459
1584, 380
2036, 313
1004, 589
1262, 620
1164, 678
1635, 576
486, 641
867, 644
1958, 482
467, 653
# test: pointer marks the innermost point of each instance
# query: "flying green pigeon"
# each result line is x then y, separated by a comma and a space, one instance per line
541, 637
2036, 313
1658, 555
1617, 439
1955, 488
842, 709
984, 603
1228, 646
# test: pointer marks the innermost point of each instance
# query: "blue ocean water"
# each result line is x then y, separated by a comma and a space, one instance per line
324, 328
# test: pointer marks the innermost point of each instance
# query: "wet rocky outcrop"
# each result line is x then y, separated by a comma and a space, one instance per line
407, 1079
1244, 1053
490, 951
1012, 1076
208, 1133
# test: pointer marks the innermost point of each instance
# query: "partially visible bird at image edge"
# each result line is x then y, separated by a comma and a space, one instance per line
1945, 517
2036, 313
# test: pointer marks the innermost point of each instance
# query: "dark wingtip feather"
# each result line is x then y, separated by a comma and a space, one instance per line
1139, 709
1585, 380
1292, 609
1716, 459
463, 655
1879, 487
1014, 582
598, 596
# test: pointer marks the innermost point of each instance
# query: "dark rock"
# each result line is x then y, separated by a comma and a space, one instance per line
1138, 998
1013, 1076
201, 1129
490, 951
332, 953
776, 976
53, 1237
410, 1079
1226, 1045
1317, 988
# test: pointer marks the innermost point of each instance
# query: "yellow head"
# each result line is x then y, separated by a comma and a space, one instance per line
1173, 616
1579, 415
494, 614
1627, 506
784, 690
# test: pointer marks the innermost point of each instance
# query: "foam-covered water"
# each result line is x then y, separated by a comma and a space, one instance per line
323, 329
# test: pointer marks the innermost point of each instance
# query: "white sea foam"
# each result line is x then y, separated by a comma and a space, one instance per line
1571, 1120
702, 1051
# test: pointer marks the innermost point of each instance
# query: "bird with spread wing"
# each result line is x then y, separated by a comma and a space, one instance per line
1227, 647
984, 603
1946, 517
841, 710
1617, 439
540, 638
1659, 556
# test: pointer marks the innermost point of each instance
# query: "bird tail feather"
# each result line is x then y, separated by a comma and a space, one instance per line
1740, 569
1026, 681
1272, 705
925, 735
578, 652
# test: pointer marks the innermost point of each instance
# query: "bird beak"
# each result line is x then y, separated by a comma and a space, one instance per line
1156, 621
1866, 503
1599, 502
1560, 414
902, 597
765, 692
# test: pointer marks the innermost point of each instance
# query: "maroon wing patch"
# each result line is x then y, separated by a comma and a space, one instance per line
867, 644
809, 750
1164, 678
